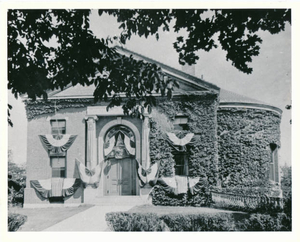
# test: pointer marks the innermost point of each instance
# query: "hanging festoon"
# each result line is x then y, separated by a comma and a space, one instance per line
57, 145
179, 184
147, 175
56, 187
119, 143
89, 176
180, 143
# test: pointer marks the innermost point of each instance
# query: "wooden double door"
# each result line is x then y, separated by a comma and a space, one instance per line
120, 178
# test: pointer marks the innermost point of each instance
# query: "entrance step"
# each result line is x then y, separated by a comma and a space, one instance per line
121, 200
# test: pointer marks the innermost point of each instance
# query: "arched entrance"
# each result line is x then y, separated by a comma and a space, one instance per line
119, 148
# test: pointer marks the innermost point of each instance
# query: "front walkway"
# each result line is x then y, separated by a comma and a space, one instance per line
92, 219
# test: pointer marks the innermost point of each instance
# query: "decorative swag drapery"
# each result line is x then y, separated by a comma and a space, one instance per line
179, 184
57, 145
89, 177
148, 175
179, 144
56, 187
119, 146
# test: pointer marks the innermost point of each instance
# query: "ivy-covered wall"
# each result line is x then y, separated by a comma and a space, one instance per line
231, 145
201, 110
37, 108
244, 138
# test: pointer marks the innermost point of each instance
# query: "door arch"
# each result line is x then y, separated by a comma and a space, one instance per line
119, 172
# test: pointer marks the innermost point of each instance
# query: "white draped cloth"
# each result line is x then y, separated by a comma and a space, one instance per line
130, 149
57, 145
180, 142
89, 177
111, 145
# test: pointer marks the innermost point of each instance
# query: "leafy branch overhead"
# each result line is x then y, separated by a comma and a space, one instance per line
234, 29
51, 49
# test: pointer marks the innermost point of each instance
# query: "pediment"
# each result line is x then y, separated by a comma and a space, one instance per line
187, 83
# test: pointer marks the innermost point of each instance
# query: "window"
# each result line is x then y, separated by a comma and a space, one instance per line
181, 164
58, 165
273, 168
180, 122
58, 127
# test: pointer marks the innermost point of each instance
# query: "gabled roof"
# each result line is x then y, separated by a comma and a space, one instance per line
175, 73
186, 81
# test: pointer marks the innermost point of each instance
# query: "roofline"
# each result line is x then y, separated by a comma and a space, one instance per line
157, 95
172, 71
250, 105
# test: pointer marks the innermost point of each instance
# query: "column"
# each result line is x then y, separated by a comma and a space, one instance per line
91, 154
145, 144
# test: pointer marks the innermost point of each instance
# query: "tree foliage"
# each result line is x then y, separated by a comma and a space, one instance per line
286, 186
36, 66
234, 29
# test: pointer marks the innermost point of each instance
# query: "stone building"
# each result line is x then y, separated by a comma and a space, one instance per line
203, 139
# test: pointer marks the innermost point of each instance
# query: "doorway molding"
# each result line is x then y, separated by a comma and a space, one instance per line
102, 133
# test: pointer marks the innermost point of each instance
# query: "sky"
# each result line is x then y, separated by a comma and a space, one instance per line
270, 81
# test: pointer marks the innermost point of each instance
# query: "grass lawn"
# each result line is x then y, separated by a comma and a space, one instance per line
39, 219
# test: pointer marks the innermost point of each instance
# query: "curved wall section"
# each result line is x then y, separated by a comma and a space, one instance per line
245, 137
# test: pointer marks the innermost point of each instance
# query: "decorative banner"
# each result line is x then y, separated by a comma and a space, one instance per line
56, 187
111, 144
119, 143
141, 174
180, 184
180, 142
43, 187
168, 184
89, 177
147, 176
57, 146
127, 142
192, 183
70, 186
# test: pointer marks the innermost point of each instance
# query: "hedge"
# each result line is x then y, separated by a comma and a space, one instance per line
119, 221
15, 221
266, 222
125, 221
200, 222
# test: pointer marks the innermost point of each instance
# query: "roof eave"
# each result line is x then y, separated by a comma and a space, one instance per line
250, 105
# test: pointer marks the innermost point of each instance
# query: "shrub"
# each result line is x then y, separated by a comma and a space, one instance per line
286, 186
16, 184
15, 221
200, 222
160, 197
119, 221
265, 222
